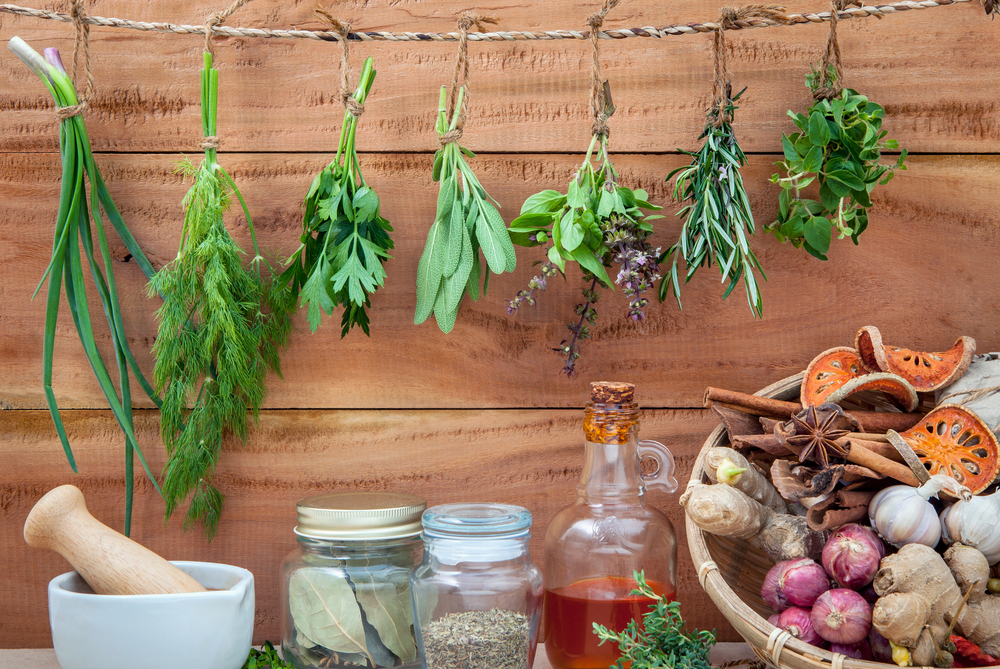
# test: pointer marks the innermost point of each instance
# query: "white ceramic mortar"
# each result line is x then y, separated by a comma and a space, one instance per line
202, 630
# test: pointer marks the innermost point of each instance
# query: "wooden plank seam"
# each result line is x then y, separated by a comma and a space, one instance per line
496, 36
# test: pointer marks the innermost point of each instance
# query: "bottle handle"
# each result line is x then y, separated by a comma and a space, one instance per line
663, 477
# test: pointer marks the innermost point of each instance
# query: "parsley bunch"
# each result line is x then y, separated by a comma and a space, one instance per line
596, 223
220, 328
466, 223
344, 239
839, 146
718, 217
661, 641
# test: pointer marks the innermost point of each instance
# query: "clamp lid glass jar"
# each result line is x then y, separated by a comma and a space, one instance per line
345, 591
476, 594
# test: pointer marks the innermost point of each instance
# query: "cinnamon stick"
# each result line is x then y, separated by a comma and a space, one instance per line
771, 444
862, 456
873, 421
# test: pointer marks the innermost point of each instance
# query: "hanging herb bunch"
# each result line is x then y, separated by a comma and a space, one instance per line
595, 224
344, 239
467, 220
220, 329
76, 225
717, 217
839, 147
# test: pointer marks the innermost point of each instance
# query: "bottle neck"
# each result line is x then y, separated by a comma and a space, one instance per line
611, 459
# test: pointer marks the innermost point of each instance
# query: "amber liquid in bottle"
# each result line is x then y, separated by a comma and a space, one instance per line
606, 601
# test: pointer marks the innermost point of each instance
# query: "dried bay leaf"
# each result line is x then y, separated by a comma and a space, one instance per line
389, 612
324, 610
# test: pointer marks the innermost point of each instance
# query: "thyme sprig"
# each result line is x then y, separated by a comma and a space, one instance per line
344, 239
839, 146
718, 217
662, 640
220, 329
596, 223
78, 219
466, 223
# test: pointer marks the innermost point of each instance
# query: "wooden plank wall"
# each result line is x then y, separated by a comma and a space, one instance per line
483, 413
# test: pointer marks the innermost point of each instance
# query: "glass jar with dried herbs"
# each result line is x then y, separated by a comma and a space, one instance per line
477, 597
345, 591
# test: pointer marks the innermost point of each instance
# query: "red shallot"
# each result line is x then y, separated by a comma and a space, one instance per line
852, 555
796, 622
859, 651
842, 616
794, 583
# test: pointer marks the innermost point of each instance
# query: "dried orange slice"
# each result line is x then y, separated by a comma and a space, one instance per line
953, 440
838, 373
926, 372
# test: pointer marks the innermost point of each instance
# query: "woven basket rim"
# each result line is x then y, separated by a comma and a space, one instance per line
770, 643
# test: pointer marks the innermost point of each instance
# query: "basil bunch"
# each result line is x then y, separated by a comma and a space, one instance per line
839, 145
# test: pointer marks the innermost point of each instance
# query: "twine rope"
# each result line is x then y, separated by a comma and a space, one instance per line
216, 19
461, 74
721, 87
671, 30
343, 31
597, 100
973, 395
80, 38
827, 88
210, 142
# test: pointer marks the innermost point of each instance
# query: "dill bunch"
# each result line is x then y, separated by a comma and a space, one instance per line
220, 329
344, 239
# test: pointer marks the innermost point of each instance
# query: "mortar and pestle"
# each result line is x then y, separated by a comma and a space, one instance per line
126, 607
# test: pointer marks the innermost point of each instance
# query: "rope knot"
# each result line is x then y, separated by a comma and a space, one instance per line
734, 18
210, 142
63, 113
450, 136
351, 104
469, 20
595, 21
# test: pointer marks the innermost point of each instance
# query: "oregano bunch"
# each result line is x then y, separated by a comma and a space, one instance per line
717, 218
595, 224
839, 146
220, 329
466, 223
344, 240
661, 641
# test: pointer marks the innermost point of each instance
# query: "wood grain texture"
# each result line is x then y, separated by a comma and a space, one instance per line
931, 236
280, 95
529, 458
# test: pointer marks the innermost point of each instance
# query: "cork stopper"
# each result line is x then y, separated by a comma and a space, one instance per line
612, 392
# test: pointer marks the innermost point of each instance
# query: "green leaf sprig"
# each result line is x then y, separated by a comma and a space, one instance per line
220, 329
718, 217
839, 145
344, 239
466, 223
77, 223
265, 658
662, 640
595, 223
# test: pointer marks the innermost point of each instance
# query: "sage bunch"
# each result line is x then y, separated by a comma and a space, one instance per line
595, 224
466, 223
344, 240
78, 222
220, 330
717, 216
839, 147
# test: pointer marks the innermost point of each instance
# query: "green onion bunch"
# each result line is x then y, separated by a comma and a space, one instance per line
78, 222
220, 330
344, 240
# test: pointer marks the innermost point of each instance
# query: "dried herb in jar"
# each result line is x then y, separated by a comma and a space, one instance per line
495, 639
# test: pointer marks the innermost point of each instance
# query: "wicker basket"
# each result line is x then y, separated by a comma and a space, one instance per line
732, 572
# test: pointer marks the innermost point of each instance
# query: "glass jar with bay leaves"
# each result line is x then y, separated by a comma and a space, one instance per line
476, 595
345, 591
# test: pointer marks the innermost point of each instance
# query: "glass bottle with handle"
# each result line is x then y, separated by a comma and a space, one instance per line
593, 546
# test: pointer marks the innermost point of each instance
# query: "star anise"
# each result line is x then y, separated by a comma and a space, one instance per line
815, 436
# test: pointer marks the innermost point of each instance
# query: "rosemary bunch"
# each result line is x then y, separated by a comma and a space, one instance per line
662, 640
595, 224
344, 239
718, 215
839, 145
77, 223
467, 221
220, 328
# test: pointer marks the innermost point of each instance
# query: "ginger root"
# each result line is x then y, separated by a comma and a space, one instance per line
726, 511
752, 482
920, 597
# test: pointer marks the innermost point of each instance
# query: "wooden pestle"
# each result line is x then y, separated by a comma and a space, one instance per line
111, 563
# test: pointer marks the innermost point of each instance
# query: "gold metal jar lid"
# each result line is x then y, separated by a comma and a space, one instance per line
355, 516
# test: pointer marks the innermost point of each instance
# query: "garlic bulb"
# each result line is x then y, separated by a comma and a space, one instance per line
903, 515
974, 523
